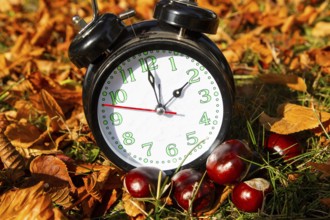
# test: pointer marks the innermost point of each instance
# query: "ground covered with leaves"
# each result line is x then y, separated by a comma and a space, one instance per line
51, 167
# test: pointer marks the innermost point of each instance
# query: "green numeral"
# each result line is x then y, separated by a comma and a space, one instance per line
130, 74
116, 119
205, 119
191, 138
118, 96
128, 138
206, 95
194, 78
149, 146
151, 60
173, 66
172, 150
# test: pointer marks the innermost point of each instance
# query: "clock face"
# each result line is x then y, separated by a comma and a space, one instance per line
160, 108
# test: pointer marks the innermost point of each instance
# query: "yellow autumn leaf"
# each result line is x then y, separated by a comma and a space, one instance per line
321, 29
24, 135
294, 118
292, 81
28, 203
133, 207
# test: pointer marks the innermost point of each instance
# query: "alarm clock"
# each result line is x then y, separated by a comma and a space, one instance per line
156, 93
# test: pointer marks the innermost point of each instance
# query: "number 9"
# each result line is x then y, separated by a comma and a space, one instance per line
116, 118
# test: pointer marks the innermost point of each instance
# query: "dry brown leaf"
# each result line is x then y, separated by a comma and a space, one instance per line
29, 203
92, 186
3, 66
51, 170
321, 29
322, 56
220, 200
53, 110
37, 151
110, 177
325, 201
88, 205
63, 96
24, 134
293, 118
324, 168
61, 196
8, 154
12, 160
288, 23
132, 206
292, 81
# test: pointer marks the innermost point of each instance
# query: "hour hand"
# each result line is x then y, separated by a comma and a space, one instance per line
151, 80
177, 93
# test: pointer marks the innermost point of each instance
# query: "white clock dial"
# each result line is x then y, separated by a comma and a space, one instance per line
176, 120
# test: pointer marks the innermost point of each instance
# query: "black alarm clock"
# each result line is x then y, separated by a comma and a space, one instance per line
156, 93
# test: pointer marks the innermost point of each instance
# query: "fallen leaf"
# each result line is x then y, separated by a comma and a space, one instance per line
29, 203
324, 168
92, 186
53, 110
225, 192
325, 201
292, 81
61, 196
293, 118
12, 160
24, 135
133, 207
321, 29
109, 198
51, 170
8, 154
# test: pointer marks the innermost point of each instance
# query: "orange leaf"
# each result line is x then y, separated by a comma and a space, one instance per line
92, 186
28, 203
11, 159
24, 134
292, 81
53, 110
326, 201
324, 168
321, 29
132, 206
293, 118
51, 170
61, 196
221, 199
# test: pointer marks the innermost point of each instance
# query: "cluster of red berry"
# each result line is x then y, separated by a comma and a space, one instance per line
228, 164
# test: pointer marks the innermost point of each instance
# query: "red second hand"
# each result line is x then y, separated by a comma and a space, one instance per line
138, 109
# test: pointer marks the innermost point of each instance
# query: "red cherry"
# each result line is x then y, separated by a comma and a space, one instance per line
248, 196
286, 146
141, 182
185, 183
228, 164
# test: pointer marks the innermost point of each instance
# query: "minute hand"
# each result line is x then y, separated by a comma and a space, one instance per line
176, 93
151, 80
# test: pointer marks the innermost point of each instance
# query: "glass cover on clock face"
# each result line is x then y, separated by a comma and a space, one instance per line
160, 108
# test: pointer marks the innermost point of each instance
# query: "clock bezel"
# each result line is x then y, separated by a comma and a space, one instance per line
151, 44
